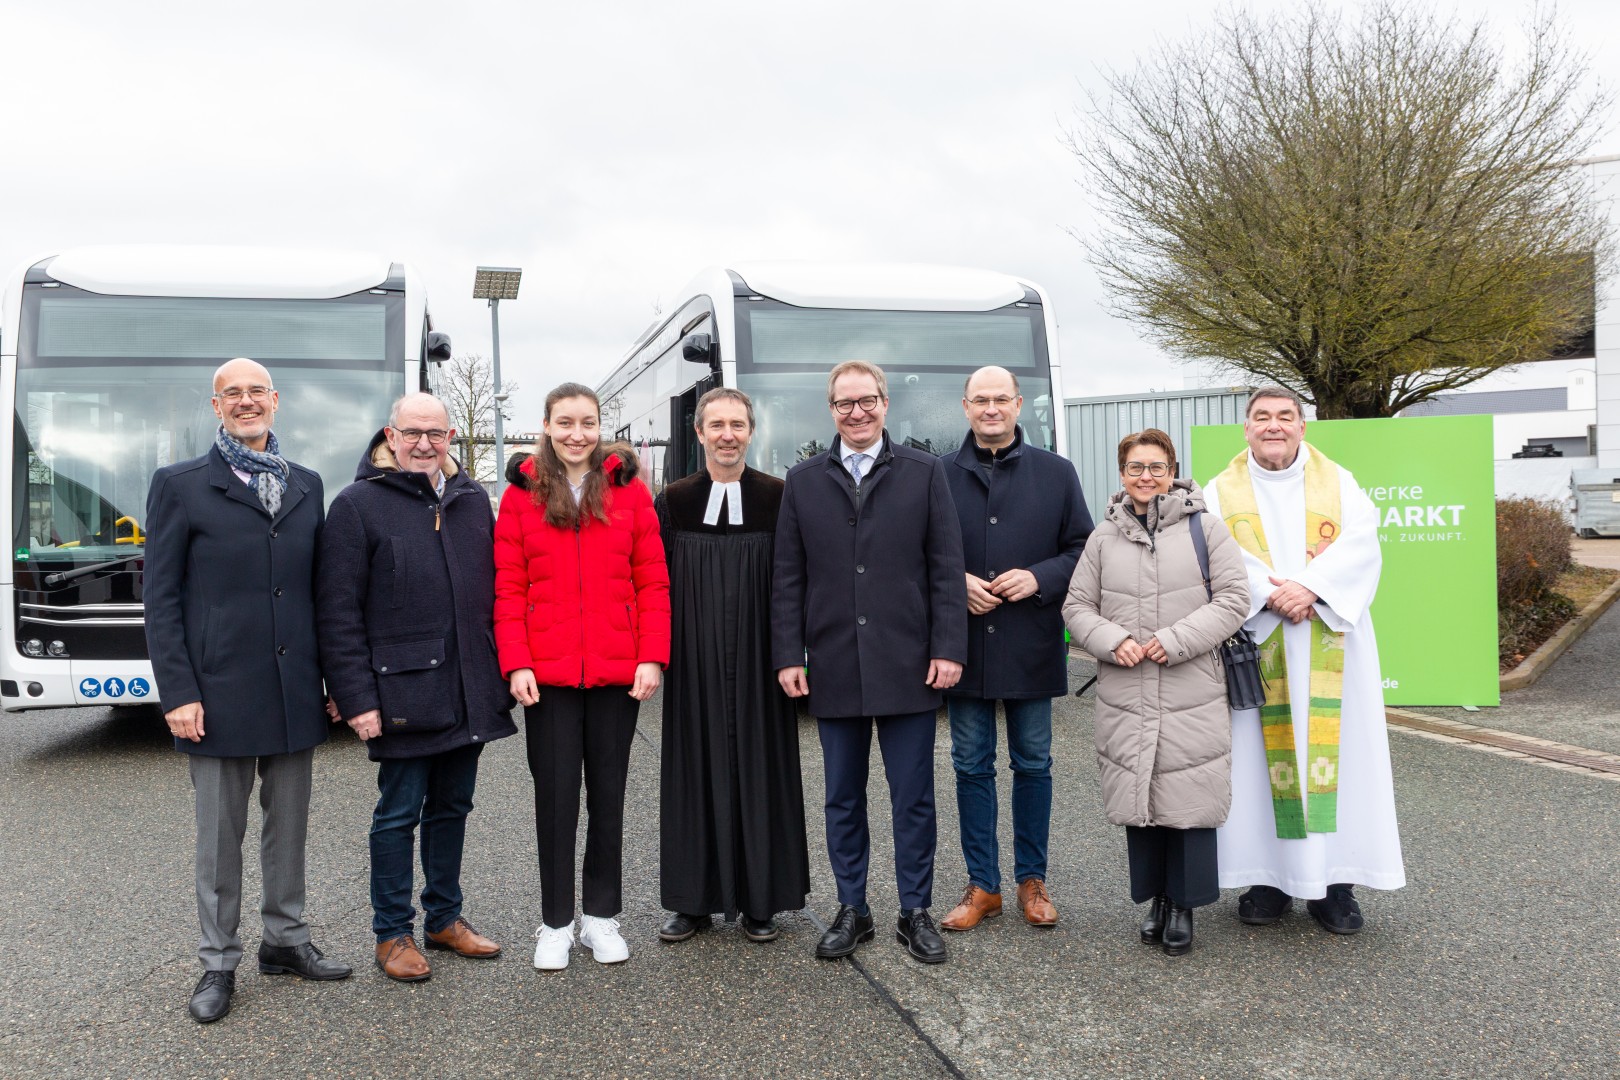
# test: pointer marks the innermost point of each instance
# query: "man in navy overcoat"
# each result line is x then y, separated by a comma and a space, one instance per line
230, 625
1024, 523
869, 619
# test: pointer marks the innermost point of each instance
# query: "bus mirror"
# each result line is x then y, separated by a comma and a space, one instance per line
696, 347
438, 346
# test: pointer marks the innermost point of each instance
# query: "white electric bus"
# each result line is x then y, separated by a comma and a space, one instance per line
774, 329
106, 361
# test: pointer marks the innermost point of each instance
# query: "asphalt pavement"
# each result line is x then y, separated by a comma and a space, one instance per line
1498, 959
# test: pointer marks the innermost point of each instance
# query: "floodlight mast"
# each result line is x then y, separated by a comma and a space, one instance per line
497, 283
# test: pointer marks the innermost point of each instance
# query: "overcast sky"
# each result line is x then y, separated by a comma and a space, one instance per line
609, 149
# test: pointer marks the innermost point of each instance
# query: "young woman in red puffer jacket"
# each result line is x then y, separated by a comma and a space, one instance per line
582, 631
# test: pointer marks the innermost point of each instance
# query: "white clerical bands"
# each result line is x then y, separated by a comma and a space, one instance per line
732, 494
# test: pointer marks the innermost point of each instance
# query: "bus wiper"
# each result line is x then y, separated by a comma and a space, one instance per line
84, 571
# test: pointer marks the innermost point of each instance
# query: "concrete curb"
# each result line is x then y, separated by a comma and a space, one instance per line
1536, 664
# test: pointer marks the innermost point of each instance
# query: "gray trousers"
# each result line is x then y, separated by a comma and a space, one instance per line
223, 786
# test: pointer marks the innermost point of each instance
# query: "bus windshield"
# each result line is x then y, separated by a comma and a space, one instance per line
112, 388
784, 354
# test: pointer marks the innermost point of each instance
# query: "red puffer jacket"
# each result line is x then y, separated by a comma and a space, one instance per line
581, 607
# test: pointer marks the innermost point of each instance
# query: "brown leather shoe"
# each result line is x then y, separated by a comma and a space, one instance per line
976, 906
1036, 902
401, 960
463, 940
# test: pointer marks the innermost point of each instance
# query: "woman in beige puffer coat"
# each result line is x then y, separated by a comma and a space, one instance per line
1137, 603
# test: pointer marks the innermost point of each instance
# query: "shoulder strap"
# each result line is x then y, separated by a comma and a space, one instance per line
1201, 546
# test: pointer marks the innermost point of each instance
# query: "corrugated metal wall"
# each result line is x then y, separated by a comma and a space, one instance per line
1095, 426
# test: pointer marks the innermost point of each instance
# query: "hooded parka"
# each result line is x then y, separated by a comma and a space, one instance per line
582, 606
1164, 732
405, 603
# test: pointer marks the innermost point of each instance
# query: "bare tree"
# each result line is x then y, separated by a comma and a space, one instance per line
467, 386
1370, 213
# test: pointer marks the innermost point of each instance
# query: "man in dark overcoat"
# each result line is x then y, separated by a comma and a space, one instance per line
1024, 523
870, 621
406, 610
231, 541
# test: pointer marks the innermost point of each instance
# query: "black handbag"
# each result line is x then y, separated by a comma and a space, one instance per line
1240, 654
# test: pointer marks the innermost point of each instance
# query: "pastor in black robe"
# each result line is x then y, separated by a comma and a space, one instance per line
732, 834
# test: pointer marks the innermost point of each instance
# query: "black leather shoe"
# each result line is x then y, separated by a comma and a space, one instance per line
1338, 912
1263, 905
1153, 923
916, 932
760, 929
1178, 930
303, 960
212, 997
848, 930
680, 926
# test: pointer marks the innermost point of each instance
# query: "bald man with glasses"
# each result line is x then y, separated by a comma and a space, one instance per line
406, 609
1024, 524
229, 587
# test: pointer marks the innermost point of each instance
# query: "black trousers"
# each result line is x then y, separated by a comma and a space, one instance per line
1178, 863
567, 731
907, 743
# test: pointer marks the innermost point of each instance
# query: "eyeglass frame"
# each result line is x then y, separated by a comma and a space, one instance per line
998, 402
413, 436
233, 396
1147, 467
846, 406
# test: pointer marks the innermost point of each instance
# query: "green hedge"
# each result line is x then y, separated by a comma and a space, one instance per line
1533, 543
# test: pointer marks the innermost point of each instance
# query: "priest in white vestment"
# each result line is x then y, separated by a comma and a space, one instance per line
1313, 799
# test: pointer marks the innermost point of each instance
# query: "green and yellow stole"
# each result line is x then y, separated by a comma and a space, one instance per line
1319, 811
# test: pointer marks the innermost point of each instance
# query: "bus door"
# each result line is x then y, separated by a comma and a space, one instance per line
685, 455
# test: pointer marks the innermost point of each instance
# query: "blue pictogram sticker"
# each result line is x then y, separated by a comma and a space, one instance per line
90, 687
114, 687
139, 687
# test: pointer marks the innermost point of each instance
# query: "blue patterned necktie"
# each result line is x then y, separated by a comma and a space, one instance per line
857, 466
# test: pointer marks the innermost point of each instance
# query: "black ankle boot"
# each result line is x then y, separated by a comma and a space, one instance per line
1178, 930
1153, 923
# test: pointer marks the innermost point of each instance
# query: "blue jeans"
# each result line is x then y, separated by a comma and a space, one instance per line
973, 754
436, 792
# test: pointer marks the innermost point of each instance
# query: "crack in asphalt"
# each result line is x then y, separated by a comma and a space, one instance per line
907, 1017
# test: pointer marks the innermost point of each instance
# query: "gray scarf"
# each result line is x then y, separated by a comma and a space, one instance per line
267, 469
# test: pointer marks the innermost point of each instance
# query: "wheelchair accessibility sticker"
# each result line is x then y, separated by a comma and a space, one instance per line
114, 687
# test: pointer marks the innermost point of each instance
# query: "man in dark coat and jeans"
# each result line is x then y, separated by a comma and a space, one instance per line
869, 619
406, 602
1024, 523
231, 539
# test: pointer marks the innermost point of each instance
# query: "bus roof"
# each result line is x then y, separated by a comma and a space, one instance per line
240, 272
883, 286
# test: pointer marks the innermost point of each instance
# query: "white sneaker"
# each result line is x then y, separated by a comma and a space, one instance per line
551, 946
601, 936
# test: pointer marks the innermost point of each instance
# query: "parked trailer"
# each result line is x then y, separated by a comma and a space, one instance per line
1597, 501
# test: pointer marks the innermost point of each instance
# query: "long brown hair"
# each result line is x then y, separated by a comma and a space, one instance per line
551, 489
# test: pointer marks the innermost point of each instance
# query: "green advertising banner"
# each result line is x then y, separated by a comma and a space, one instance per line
1433, 481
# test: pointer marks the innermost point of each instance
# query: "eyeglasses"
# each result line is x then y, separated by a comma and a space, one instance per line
847, 405
233, 395
412, 436
1002, 402
1154, 468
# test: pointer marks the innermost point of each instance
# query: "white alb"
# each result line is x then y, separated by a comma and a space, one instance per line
1366, 849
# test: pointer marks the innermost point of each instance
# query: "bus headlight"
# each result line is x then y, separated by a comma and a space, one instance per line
34, 647
56, 648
